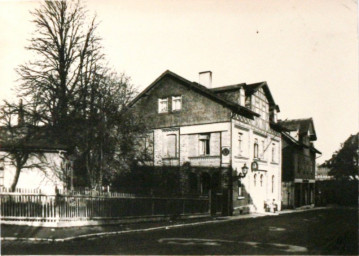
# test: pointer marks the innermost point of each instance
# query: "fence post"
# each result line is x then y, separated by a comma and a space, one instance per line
57, 205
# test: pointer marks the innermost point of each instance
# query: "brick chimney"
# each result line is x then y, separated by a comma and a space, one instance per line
205, 78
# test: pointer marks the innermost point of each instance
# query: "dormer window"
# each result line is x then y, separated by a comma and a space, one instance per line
176, 103
163, 105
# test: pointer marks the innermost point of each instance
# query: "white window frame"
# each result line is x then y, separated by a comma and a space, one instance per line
160, 102
176, 103
204, 144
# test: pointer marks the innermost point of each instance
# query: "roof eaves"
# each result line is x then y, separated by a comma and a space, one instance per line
290, 138
201, 88
235, 107
227, 87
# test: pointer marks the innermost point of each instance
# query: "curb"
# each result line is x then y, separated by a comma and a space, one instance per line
103, 234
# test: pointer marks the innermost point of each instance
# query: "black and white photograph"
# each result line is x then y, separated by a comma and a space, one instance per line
179, 127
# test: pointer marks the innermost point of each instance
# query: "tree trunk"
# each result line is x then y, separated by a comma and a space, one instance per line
16, 178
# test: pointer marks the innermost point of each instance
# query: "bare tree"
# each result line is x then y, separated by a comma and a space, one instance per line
66, 53
69, 89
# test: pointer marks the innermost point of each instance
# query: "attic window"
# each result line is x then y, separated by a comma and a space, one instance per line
176, 103
163, 105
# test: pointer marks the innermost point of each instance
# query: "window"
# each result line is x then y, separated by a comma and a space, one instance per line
255, 179
240, 142
176, 103
163, 105
204, 146
273, 184
273, 152
261, 180
171, 146
255, 153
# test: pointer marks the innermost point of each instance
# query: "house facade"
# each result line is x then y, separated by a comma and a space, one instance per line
211, 135
44, 164
45, 175
298, 160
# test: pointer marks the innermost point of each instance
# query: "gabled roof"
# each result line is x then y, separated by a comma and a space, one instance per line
28, 138
304, 126
293, 141
201, 89
252, 88
249, 89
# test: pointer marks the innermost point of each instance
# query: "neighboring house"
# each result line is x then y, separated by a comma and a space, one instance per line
210, 134
45, 166
322, 173
298, 161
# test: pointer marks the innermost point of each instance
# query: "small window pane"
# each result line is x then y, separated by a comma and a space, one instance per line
176, 103
163, 105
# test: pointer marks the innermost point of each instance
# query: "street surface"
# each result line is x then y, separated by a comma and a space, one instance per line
329, 231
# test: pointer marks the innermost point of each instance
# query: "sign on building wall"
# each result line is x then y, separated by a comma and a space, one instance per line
226, 155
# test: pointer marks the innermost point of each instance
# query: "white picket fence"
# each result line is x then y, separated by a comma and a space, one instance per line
33, 207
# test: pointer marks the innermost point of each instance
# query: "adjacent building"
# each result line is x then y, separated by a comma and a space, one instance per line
225, 141
298, 162
44, 166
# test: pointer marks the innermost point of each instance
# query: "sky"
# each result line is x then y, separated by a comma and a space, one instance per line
306, 50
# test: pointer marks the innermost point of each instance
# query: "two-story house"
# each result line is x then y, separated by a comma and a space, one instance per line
212, 135
298, 160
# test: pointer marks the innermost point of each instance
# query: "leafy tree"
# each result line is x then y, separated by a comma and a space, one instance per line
345, 163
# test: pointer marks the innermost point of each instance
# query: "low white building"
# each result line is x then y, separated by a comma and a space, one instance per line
43, 164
